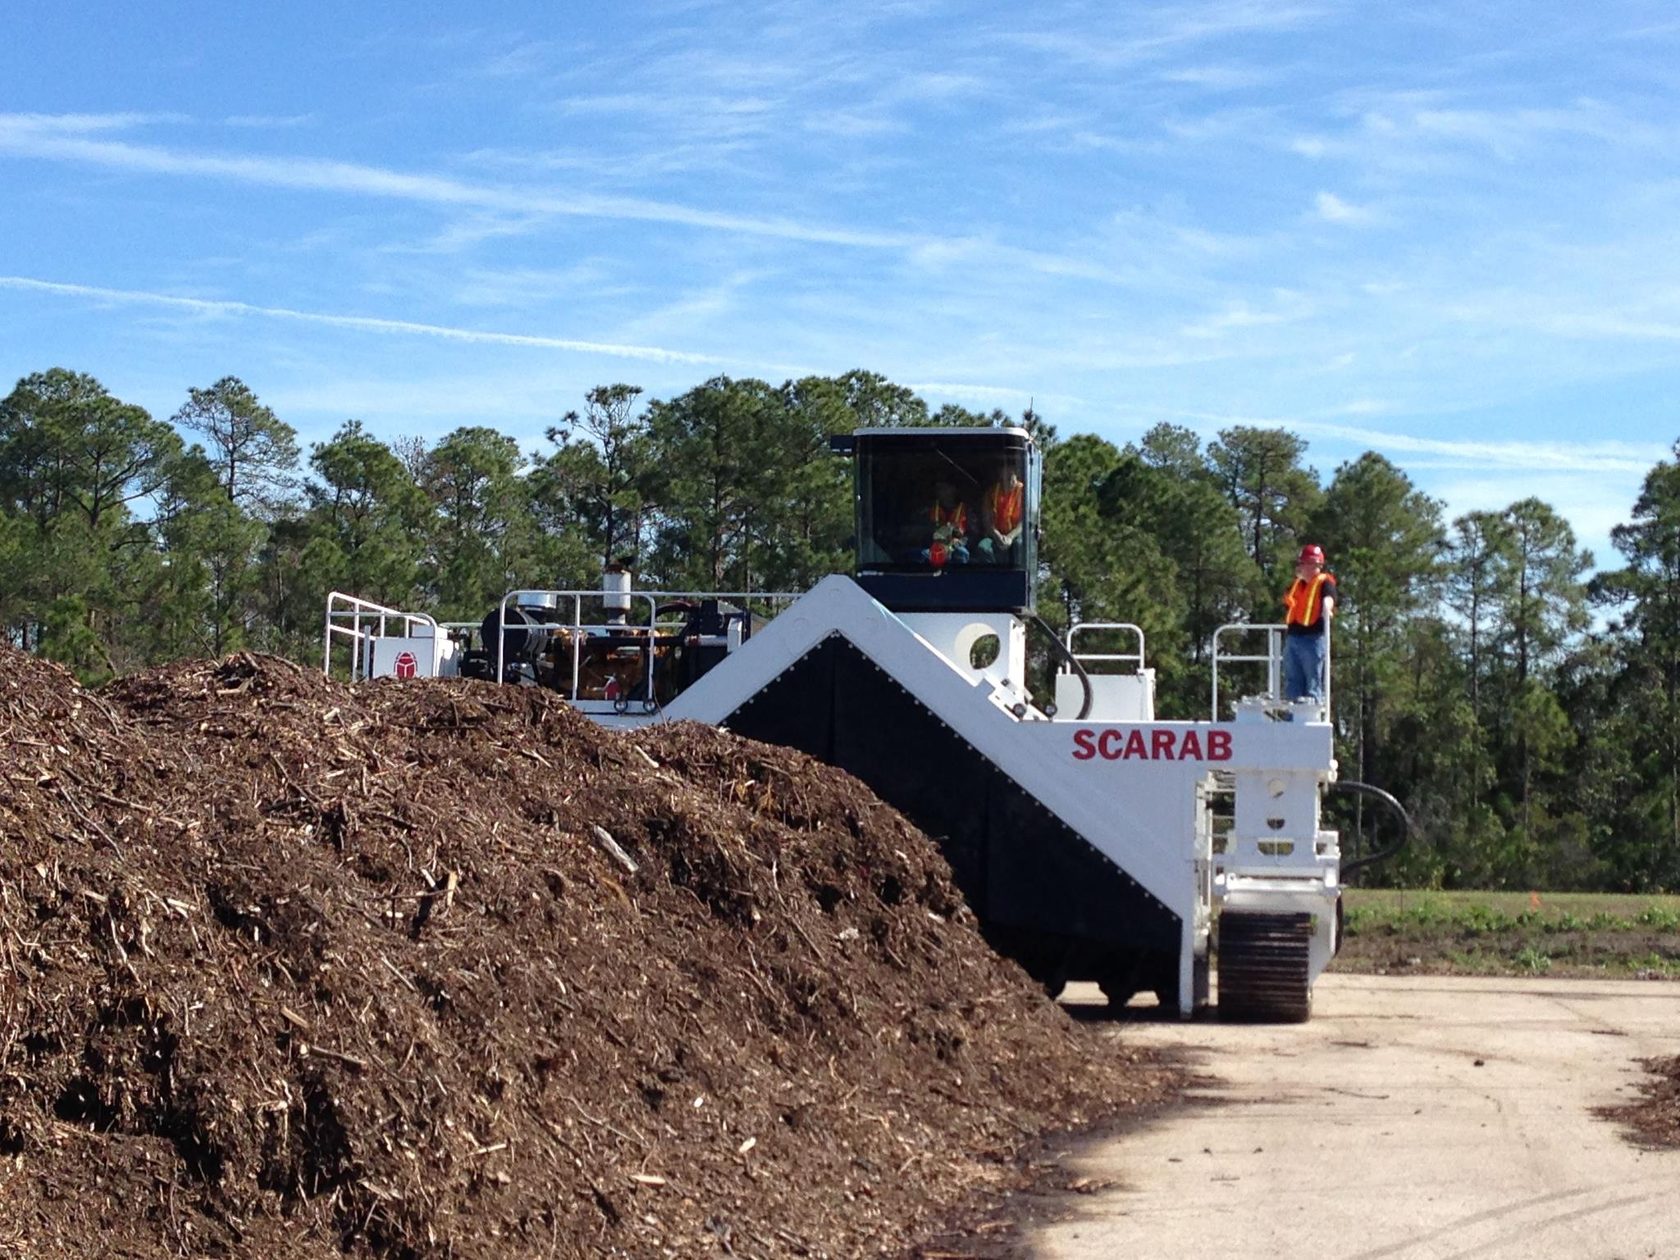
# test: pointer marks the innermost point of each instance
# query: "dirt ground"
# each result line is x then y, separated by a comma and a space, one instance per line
1414, 1117
1502, 944
411, 970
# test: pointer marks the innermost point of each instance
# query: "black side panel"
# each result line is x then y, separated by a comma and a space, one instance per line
1022, 869
972, 586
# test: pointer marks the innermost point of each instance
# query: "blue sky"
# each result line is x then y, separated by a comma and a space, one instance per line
1449, 233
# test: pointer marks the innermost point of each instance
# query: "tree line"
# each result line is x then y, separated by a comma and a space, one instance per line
1526, 707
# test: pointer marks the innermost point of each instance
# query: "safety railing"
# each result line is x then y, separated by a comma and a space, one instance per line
361, 621
1271, 658
619, 624
1094, 627
635, 621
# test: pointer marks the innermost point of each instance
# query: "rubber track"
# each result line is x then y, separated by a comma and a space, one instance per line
1265, 967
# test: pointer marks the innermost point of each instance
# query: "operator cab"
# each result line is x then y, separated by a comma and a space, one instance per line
947, 519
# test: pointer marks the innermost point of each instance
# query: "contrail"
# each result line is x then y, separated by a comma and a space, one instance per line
57, 139
1538, 455
365, 323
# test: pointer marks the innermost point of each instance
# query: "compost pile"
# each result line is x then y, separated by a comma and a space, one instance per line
1654, 1118
411, 970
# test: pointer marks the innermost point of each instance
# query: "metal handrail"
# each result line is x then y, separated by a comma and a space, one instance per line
652, 600
576, 624
1082, 657
341, 607
368, 620
1272, 659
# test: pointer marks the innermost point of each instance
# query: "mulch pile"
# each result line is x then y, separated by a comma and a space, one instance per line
1654, 1119
409, 970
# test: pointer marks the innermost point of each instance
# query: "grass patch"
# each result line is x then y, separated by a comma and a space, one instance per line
1511, 933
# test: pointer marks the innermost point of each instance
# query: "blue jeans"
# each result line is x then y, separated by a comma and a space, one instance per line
1303, 666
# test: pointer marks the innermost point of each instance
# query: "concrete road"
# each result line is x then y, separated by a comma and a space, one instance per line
1417, 1118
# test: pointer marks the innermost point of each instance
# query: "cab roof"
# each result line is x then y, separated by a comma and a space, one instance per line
941, 430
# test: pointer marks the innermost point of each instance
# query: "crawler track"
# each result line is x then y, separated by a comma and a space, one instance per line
1264, 967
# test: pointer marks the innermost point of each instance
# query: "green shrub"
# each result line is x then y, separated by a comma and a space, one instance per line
1660, 917
1481, 920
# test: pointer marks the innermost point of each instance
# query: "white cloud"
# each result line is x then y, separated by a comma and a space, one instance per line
1230, 126
738, 112
1217, 78
1419, 132
701, 307
423, 405
937, 86
1506, 133
1239, 314
269, 121
1569, 304
1597, 324
1152, 34
852, 122
1362, 406
1593, 506
1527, 455
1332, 209
23, 135
465, 233
979, 395
534, 58
81, 124
527, 286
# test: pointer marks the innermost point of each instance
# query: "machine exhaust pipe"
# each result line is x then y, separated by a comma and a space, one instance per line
615, 593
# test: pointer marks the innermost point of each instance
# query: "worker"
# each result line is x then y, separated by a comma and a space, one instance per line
948, 519
1310, 603
1001, 518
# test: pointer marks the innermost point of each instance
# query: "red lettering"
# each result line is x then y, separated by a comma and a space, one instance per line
1120, 744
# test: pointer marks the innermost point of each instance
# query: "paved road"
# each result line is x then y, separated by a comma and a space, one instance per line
1416, 1118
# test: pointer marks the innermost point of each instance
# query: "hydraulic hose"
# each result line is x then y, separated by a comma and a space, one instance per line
1072, 662
1381, 855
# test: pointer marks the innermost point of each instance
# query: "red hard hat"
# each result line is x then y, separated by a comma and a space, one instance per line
1312, 553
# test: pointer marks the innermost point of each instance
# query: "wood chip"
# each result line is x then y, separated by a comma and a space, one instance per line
603, 837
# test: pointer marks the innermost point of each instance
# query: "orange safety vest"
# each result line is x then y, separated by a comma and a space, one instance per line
1005, 507
1304, 599
956, 517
